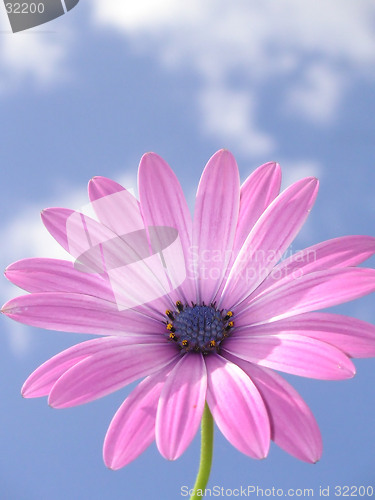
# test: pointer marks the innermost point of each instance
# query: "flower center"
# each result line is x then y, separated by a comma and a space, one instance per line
198, 328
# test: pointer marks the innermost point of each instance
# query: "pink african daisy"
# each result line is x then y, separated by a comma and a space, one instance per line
201, 309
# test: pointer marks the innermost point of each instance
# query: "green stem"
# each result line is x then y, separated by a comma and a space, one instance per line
207, 445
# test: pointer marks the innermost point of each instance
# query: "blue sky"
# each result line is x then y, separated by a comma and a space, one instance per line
88, 94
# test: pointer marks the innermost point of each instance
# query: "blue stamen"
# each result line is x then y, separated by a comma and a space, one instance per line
198, 328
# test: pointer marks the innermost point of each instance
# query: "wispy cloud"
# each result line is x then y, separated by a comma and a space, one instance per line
231, 116
318, 95
37, 57
296, 170
310, 51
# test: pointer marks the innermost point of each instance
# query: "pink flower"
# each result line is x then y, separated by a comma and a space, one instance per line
201, 308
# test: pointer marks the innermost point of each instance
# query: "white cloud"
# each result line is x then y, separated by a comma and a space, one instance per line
318, 95
37, 57
296, 170
145, 15
310, 51
230, 114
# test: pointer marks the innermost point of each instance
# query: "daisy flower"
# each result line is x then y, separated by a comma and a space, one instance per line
202, 309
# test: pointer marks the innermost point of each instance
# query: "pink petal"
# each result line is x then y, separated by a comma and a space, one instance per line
354, 337
181, 406
293, 426
99, 187
257, 192
269, 239
215, 220
338, 252
107, 371
310, 292
54, 219
73, 312
132, 428
115, 207
143, 284
74, 231
163, 204
126, 260
41, 381
53, 275
293, 354
99, 250
237, 407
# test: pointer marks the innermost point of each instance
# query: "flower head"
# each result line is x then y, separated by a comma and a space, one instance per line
202, 309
